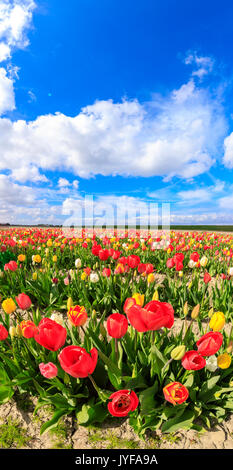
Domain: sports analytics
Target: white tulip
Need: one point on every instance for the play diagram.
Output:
(203, 261)
(94, 277)
(78, 263)
(192, 263)
(211, 363)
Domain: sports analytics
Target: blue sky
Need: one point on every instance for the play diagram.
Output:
(128, 101)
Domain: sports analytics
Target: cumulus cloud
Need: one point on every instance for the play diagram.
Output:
(15, 19)
(63, 182)
(174, 135)
(30, 173)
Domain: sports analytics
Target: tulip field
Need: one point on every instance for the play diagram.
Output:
(118, 324)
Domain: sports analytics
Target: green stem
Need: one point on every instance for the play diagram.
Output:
(116, 350)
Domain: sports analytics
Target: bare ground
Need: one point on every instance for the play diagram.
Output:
(112, 434)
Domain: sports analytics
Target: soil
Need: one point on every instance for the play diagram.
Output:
(112, 434)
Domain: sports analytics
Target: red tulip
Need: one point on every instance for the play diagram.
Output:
(153, 316)
(133, 261)
(179, 266)
(50, 334)
(178, 257)
(170, 263)
(28, 328)
(209, 343)
(77, 315)
(192, 360)
(123, 401)
(87, 271)
(194, 256)
(11, 266)
(49, 370)
(175, 393)
(117, 325)
(142, 268)
(103, 255)
(3, 332)
(207, 278)
(149, 268)
(129, 303)
(24, 302)
(116, 254)
(106, 272)
(77, 362)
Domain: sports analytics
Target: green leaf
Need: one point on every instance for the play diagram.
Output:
(91, 413)
(182, 421)
(6, 392)
(136, 382)
(208, 388)
(52, 423)
(147, 399)
(157, 361)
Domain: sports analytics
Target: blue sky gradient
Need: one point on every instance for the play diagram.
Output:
(129, 101)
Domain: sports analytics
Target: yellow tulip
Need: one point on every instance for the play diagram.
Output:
(37, 258)
(83, 276)
(217, 321)
(224, 361)
(55, 258)
(21, 258)
(8, 306)
(34, 276)
(150, 278)
(139, 299)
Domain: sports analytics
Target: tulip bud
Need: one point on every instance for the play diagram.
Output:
(186, 309)
(18, 330)
(155, 296)
(93, 314)
(12, 331)
(69, 303)
(103, 330)
(195, 312)
(178, 352)
(211, 311)
(229, 347)
(190, 285)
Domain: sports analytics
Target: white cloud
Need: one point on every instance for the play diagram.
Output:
(7, 98)
(174, 135)
(228, 151)
(29, 173)
(15, 19)
(14, 194)
(195, 194)
(63, 182)
(203, 64)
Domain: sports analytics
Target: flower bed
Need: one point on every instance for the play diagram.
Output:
(115, 351)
